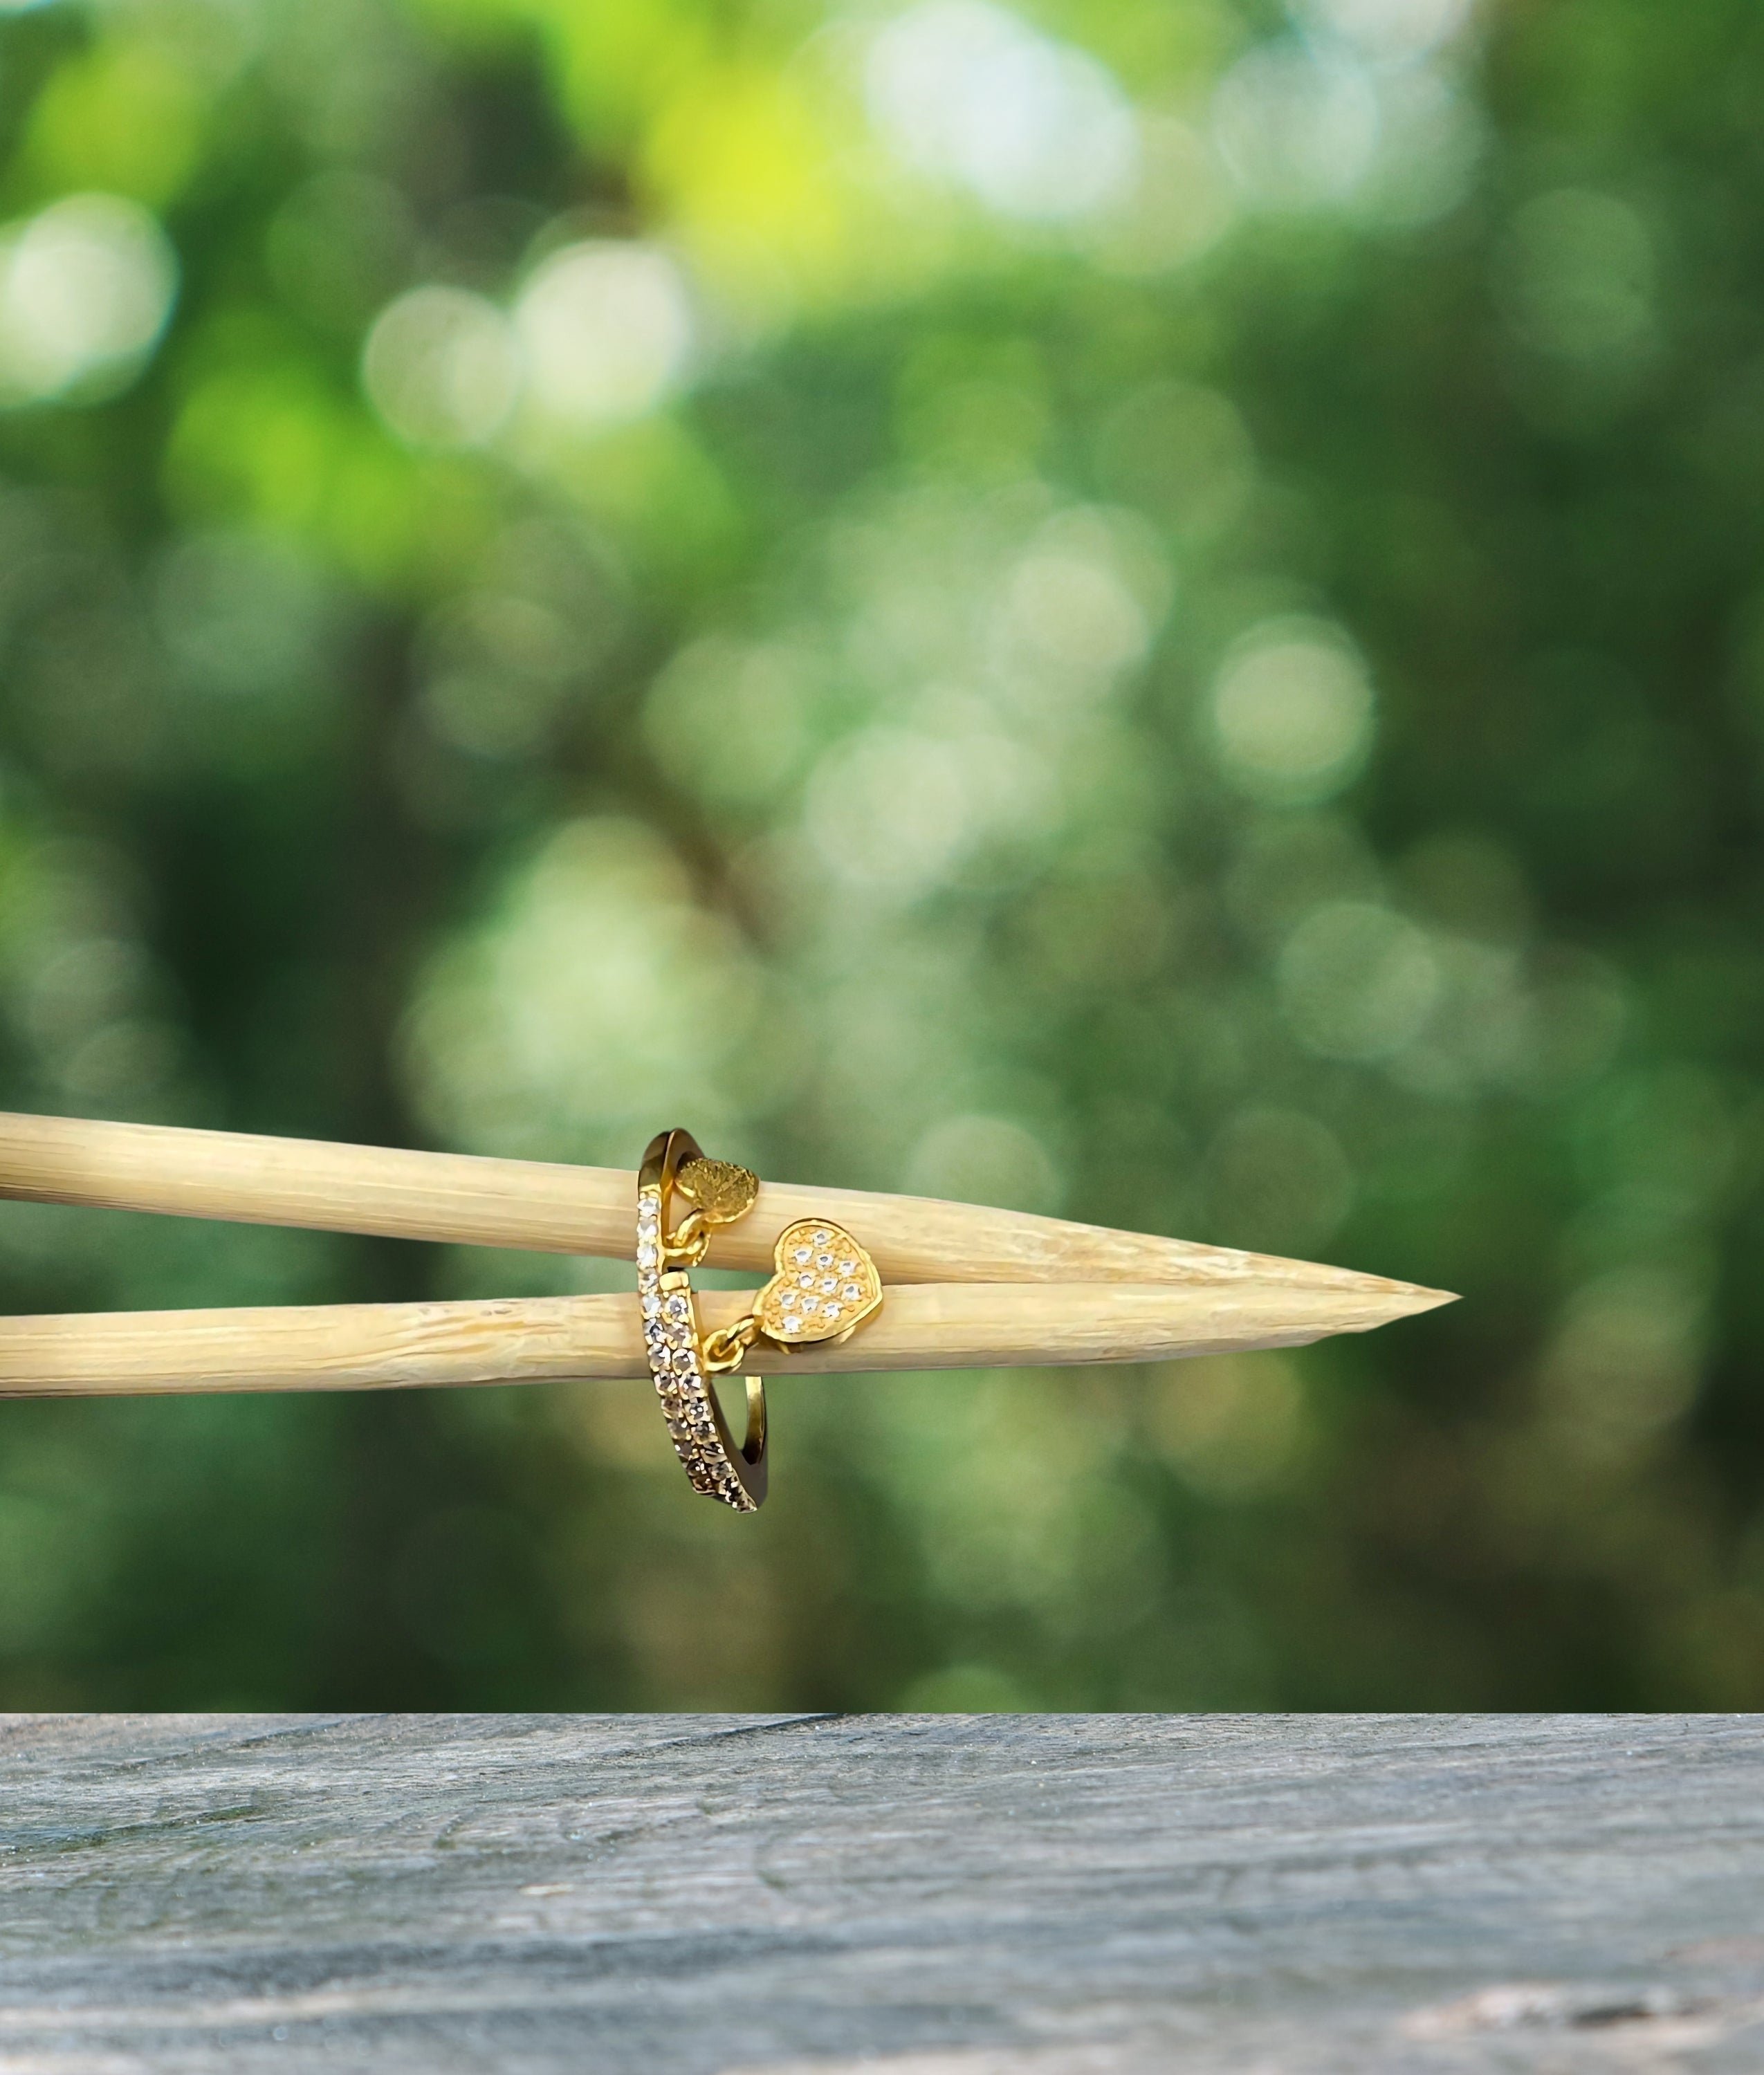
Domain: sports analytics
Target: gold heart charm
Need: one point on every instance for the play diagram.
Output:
(825, 1285)
(721, 1190)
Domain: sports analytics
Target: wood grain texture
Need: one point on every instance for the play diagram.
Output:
(906, 1895)
(557, 1209)
(359, 1347)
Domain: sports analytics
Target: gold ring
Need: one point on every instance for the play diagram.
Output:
(823, 1287)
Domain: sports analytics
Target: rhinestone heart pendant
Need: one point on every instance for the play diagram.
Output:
(825, 1286)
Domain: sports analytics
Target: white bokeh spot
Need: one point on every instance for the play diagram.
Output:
(1389, 32)
(1291, 712)
(607, 329)
(596, 996)
(1298, 128)
(442, 368)
(970, 94)
(86, 289)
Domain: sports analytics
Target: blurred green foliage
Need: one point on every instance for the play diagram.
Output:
(1151, 610)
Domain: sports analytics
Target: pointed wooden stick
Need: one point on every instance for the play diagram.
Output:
(557, 1209)
(364, 1347)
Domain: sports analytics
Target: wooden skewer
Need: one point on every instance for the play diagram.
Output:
(993, 1287)
(557, 1209)
(358, 1346)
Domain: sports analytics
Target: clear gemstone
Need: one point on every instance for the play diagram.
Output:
(810, 1303)
(828, 1286)
(851, 1292)
(646, 1255)
(822, 1236)
(806, 1280)
(648, 1282)
(651, 1306)
(676, 1306)
(823, 1261)
(792, 1323)
(800, 1253)
(848, 1267)
(682, 1358)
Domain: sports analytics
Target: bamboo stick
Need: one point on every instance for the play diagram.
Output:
(361, 1347)
(558, 1209)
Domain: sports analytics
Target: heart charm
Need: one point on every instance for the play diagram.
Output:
(721, 1190)
(825, 1285)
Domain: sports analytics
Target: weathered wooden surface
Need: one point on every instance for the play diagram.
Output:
(922, 1325)
(920, 1895)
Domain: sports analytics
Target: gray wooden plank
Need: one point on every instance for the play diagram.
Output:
(923, 1896)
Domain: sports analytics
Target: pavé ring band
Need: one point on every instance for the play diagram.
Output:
(823, 1287)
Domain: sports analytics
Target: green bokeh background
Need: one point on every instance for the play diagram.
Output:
(1149, 610)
